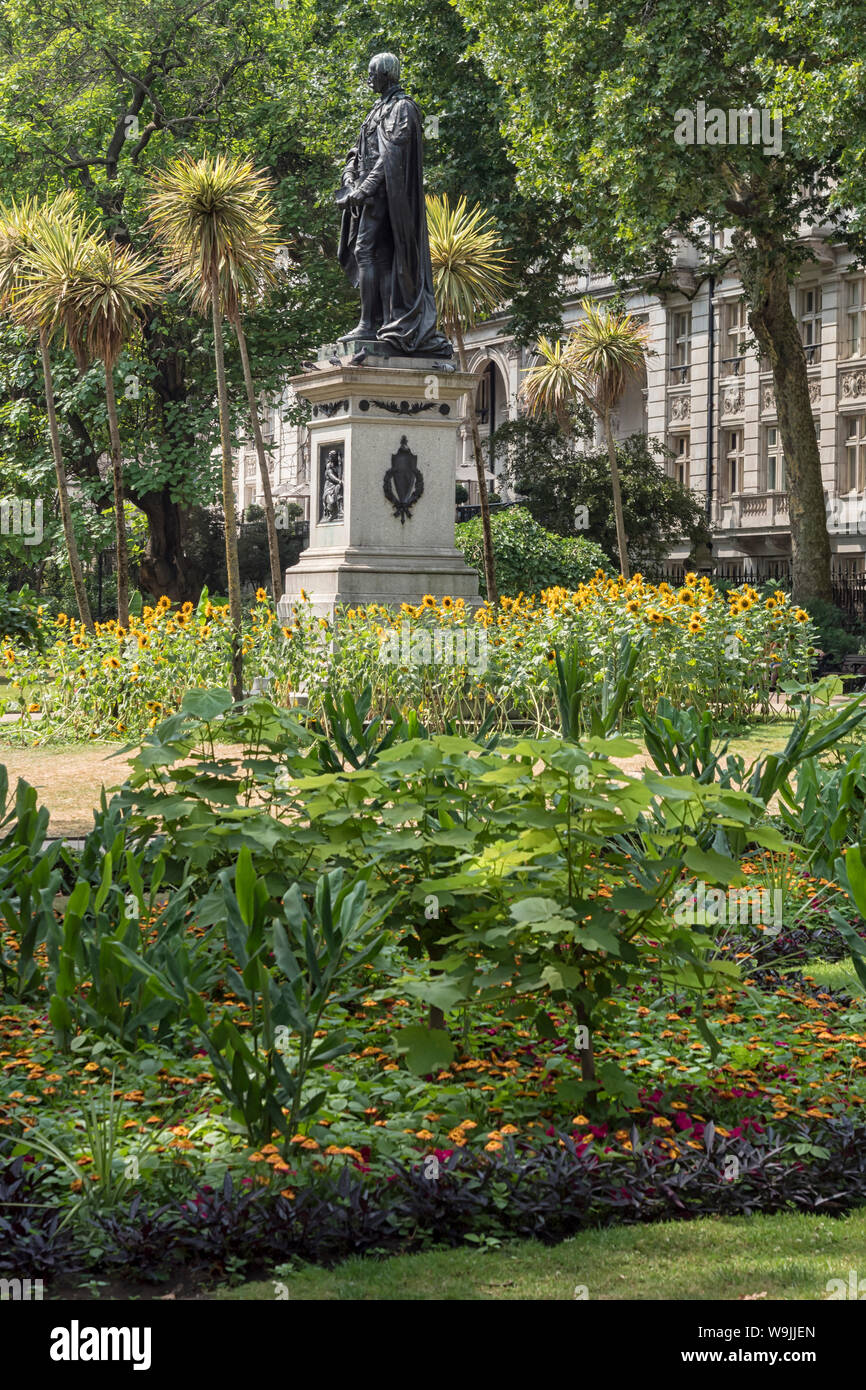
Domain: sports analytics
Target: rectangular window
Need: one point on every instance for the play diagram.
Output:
(735, 330)
(855, 339)
(679, 466)
(810, 323)
(732, 469)
(852, 467)
(681, 345)
(774, 461)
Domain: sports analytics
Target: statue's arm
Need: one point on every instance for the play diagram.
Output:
(350, 168)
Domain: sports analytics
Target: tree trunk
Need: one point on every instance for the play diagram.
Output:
(765, 273)
(621, 538)
(273, 543)
(232, 567)
(63, 491)
(119, 518)
(164, 568)
(489, 563)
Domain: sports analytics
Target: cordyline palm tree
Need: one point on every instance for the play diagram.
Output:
(102, 300)
(26, 229)
(215, 221)
(596, 363)
(550, 387)
(470, 277)
(115, 287)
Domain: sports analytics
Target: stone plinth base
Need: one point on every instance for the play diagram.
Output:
(390, 430)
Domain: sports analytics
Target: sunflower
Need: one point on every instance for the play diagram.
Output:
(428, 601)
(801, 615)
(261, 595)
(447, 603)
(112, 663)
(143, 641)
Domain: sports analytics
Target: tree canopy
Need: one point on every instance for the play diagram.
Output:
(96, 101)
(600, 98)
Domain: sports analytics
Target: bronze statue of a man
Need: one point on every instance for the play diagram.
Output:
(384, 244)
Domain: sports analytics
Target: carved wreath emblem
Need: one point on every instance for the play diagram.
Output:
(404, 484)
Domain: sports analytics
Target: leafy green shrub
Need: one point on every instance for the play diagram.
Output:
(528, 558)
(831, 637)
(18, 616)
(556, 473)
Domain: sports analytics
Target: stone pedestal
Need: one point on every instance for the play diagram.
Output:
(385, 428)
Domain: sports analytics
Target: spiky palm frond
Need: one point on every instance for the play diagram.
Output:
(58, 240)
(114, 286)
(20, 224)
(606, 349)
(16, 222)
(470, 269)
(216, 223)
(554, 383)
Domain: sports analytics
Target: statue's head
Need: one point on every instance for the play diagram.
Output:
(383, 72)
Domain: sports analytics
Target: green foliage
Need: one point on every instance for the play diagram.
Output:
(831, 636)
(29, 882)
(826, 808)
(282, 84)
(101, 1128)
(528, 558)
(316, 951)
(603, 117)
(554, 478)
(820, 806)
(453, 836)
(353, 739)
(573, 682)
(18, 617)
(104, 936)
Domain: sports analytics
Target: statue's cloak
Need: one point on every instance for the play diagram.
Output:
(412, 324)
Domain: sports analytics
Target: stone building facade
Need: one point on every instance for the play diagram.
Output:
(705, 395)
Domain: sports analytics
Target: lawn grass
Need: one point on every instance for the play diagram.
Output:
(774, 1257)
(760, 740)
(835, 974)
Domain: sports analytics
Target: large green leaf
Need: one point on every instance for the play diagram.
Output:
(206, 704)
(427, 1049)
